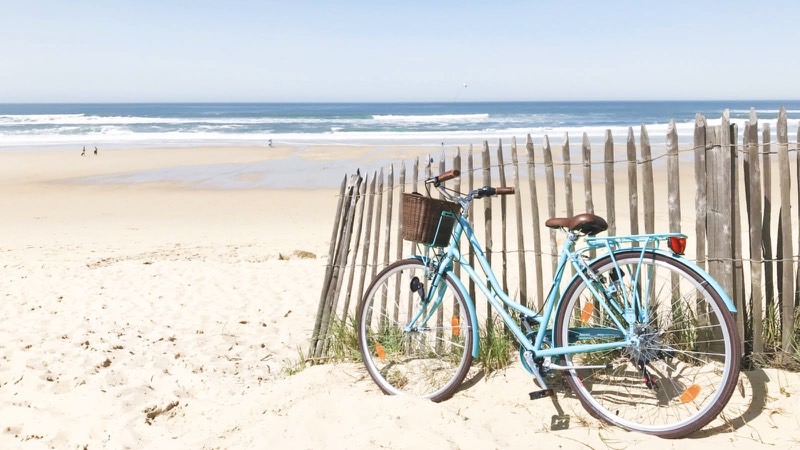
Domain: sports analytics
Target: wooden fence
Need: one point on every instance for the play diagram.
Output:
(755, 265)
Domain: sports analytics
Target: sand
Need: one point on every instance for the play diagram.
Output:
(148, 313)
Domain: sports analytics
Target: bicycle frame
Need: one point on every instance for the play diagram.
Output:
(568, 256)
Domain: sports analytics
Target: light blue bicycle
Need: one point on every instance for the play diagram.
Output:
(643, 336)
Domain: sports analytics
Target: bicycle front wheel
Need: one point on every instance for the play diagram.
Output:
(414, 334)
(682, 364)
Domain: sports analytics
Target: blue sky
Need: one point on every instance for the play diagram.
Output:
(295, 50)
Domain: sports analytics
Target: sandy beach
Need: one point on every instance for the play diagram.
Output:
(151, 313)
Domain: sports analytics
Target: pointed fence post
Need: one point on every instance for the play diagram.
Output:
(766, 224)
(551, 199)
(535, 223)
(487, 215)
(565, 153)
(523, 276)
(501, 168)
(633, 182)
(738, 294)
(608, 166)
(786, 262)
(700, 196)
(753, 196)
(471, 187)
(673, 179)
(586, 149)
(359, 224)
(647, 183)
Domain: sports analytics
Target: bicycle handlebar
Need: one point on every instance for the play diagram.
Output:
(449, 175)
(486, 191)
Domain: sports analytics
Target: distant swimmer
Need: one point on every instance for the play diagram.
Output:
(83, 153)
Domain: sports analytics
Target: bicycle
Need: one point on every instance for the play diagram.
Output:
(643, 336)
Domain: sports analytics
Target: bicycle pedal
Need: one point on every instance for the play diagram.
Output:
(535, 395)
(559, 422)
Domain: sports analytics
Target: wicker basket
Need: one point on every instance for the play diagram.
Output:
(425, 219)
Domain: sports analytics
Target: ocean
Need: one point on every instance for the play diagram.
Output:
(30, 126)
(379, 126)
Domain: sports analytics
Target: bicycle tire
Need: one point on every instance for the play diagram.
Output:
(430, 361)
(685, 366)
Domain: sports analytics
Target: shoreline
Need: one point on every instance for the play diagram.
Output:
(261, 167)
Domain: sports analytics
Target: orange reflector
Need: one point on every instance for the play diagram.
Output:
(456, 328)
(380, 352)
(690, 394)
(586, 312)
(677, 244)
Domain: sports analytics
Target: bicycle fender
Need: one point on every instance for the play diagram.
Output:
(686, 262)
(709, 279)
(473, 315)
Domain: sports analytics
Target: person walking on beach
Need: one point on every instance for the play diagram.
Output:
(270, 142)
(83, 153)
(95, 150)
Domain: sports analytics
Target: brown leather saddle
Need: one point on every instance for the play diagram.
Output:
(588, 224)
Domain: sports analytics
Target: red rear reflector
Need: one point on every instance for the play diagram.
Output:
(677, 244)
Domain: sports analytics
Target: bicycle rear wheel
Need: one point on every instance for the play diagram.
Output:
(421, 359)
(683, 365)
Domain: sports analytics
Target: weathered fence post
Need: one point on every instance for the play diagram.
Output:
(378, 210)
(501, 169)
(738, 294)
(766, 225)
(471, 186)
(633, 183)
(523, 276)
(359, 223)
(786, 261)
(387, 228)
(402, 186)
(752, 184)
(551, 199)
(586, 149)
(567, 161)
(720, 250)
(673, 179)
(367, 237)
(535, 224)
(608, 172)
(700, 196)
(588, 199)
(647, 183)
(487, 214)
(457, 166)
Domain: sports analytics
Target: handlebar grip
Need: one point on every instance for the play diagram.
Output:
(449, 175)
(504, 190)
